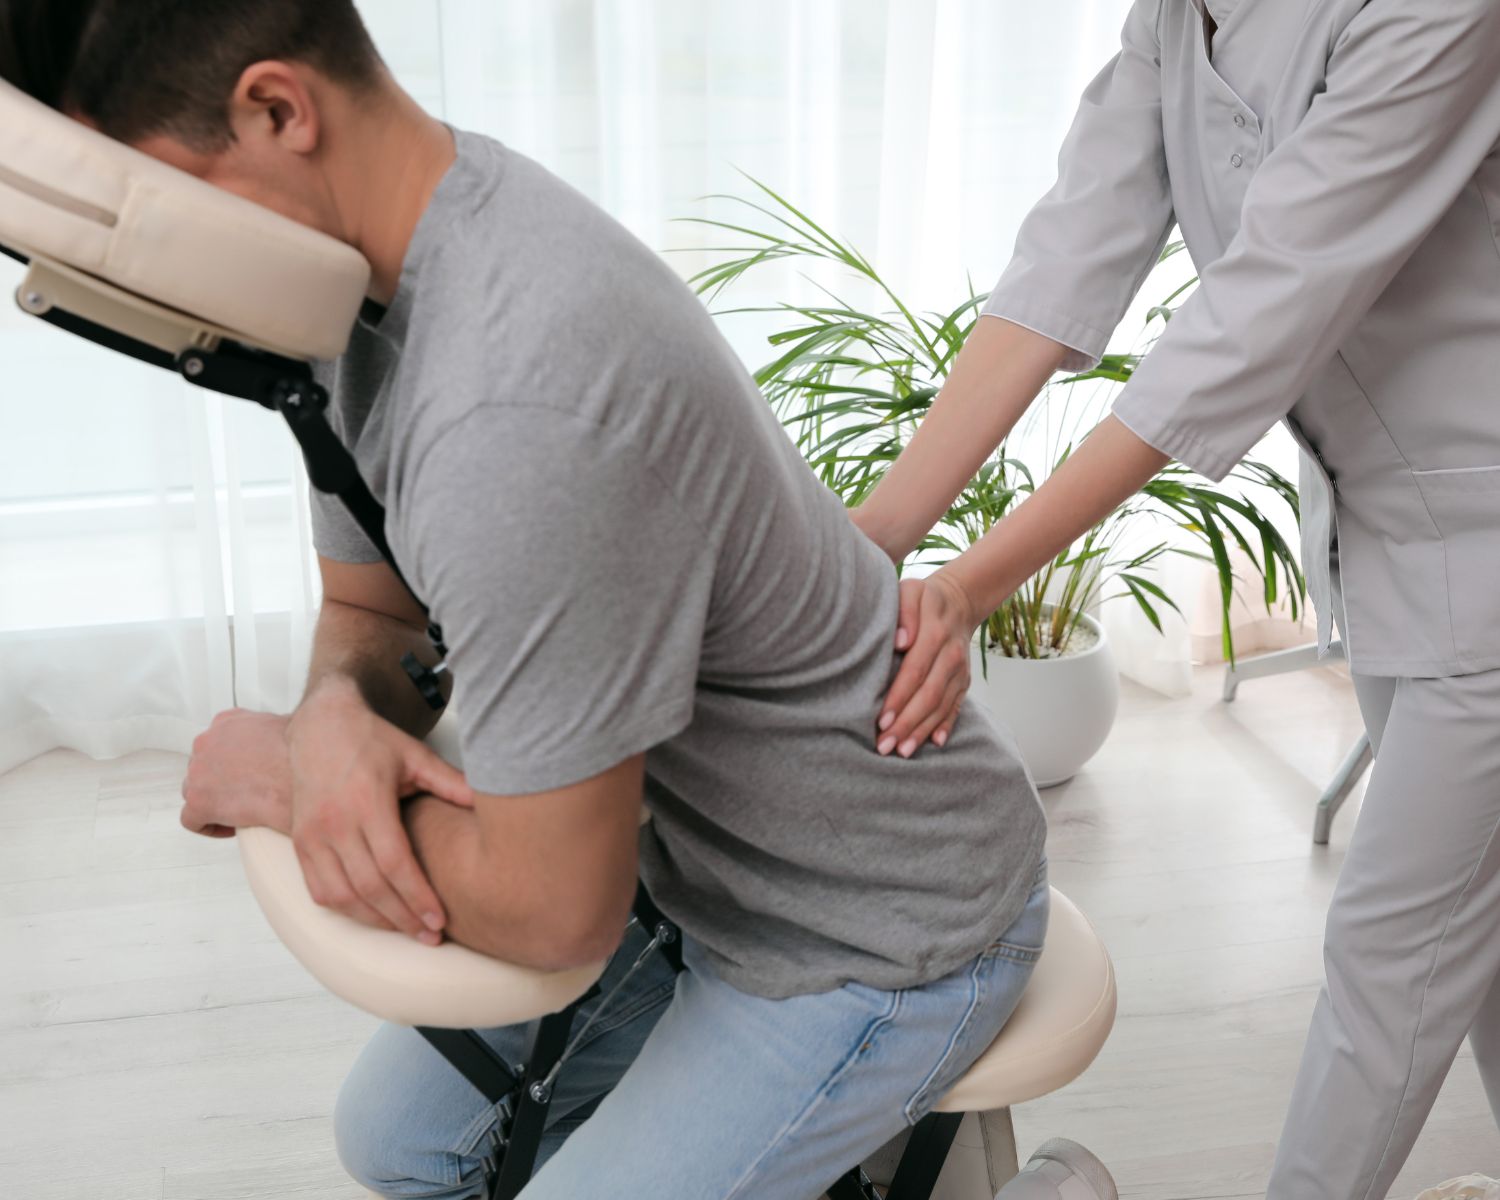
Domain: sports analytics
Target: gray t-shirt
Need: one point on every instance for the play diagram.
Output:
(627, 554)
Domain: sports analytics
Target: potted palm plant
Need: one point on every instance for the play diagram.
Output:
(851, 383)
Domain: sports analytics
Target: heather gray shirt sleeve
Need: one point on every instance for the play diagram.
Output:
(572, 590)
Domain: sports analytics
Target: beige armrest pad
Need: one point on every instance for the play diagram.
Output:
(389, 974)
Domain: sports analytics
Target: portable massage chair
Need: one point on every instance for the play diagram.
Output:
(145, 260)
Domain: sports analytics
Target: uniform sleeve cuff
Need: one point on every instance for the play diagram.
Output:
(1181, 444)
(1085, 343)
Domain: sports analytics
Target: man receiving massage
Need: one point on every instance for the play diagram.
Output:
(649, 599)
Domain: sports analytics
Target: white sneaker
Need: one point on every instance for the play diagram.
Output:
(1061, 1170)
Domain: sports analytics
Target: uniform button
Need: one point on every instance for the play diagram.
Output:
(1239, 119)
(1236, 160)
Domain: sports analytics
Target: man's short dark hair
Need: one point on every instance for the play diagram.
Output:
(142, 67)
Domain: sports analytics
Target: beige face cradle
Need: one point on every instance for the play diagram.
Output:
(72, 196)
(50, 287)
(135, 254)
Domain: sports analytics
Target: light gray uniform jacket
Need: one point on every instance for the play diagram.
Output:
(1333, 166)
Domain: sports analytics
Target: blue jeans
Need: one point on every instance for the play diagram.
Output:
(687, 1087)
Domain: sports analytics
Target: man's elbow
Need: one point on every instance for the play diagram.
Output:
(550, 941)
(581, 948)
(570, 945)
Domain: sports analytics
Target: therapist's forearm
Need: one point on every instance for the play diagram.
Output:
(1110, 467)
(994, 379)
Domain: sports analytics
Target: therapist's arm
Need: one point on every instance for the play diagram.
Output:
(1112, 465)
(1410, 113)
(997, 375)
(1409, 116)
(1080, 258)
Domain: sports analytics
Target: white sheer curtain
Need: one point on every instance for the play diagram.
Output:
(154, 561)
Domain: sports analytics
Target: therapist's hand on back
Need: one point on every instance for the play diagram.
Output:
(936, 626)
(350, 770)
(940, 614)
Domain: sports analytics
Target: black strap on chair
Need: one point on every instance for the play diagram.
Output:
(286, 386)
(520, 1100)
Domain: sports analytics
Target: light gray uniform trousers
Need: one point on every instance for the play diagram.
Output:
(1412, 947)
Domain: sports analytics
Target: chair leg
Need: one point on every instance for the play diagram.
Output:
(999, 1135)
(1349, 772)
(981, 1160)
(1279, 662)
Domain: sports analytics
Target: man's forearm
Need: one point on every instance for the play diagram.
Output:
(995, 378)
(496, 902)
(1110, 467)
(447, 842)
(363, 649)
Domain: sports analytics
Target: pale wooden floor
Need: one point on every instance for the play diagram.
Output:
(156, 1043)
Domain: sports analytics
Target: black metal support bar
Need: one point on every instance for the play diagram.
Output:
(855, 1185)
(330, 466)
(921, 1164)
(244, 372)
(107, 338)
(287, 386)
(475, 1059)
(548, 1040)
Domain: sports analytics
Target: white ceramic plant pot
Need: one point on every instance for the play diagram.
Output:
(1060, 709)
